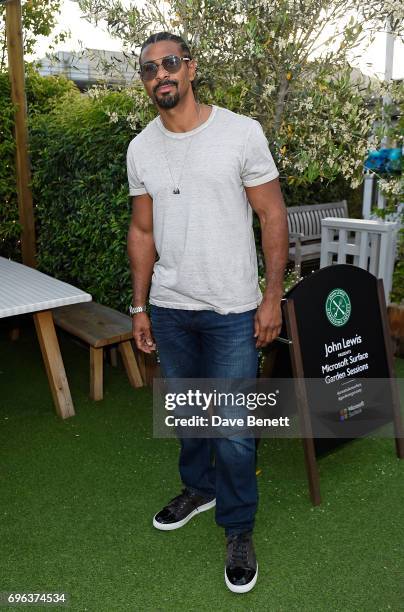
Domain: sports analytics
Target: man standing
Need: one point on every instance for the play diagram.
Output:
(196, 173)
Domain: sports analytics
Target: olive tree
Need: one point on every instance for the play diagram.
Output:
(39, 18)
(284, 62)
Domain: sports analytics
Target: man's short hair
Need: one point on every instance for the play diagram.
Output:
(159, 36)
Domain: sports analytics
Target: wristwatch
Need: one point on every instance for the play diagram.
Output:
(135, 309)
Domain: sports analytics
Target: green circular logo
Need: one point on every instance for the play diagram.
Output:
(338, 307)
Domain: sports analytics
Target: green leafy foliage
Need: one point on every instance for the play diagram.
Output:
(255, 58)
(397, 294)
(9, 231)
(82, 210)
(80, 187)
(274, 61)
(285, 63)
(39, 18)
(42, 95)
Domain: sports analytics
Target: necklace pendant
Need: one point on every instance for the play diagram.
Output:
(176, 190)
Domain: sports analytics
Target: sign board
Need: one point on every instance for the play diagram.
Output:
(336, 330)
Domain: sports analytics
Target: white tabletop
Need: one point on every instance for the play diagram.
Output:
(23, 290)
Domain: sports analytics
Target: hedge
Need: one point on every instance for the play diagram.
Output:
(43, 93)
(81, 193)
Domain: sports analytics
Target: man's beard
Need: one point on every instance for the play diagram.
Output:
(168, 100)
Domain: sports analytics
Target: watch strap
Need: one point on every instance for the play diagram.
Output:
(135, 309)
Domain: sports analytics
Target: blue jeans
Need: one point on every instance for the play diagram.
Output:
(205, 344)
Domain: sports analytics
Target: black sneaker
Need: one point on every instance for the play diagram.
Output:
(181, 509)
(241, 569)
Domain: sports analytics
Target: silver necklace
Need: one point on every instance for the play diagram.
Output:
(176, 185)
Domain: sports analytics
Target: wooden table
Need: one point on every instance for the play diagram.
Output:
(24, 290)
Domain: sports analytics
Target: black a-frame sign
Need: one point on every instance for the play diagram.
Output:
(333, 318)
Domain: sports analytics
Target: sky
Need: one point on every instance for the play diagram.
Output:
(370, 62)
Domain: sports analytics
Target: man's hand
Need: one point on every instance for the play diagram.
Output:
(142, 333)
(268, 321)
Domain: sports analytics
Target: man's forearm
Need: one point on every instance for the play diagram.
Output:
(142, 255)
(275, 246)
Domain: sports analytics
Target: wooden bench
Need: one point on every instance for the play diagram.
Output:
(304, 224)
(100, 326)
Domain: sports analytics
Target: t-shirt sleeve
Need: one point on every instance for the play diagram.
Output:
(136, 186)
(258, 166)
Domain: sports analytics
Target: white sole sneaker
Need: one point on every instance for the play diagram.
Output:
(241, 589)
(184, 521)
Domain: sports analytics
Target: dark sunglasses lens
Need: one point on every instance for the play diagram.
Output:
(148, 71)
(171, 63)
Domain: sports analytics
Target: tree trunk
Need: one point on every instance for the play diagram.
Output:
(280, 103)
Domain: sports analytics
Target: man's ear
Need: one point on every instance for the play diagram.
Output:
(193, 65)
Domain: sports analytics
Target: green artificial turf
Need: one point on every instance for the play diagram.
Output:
(78, 496)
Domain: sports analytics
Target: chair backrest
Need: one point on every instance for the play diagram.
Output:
(307, 219)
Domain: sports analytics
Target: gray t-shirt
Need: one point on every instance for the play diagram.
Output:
(203, 235)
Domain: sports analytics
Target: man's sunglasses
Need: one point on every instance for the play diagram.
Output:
(171, 63)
